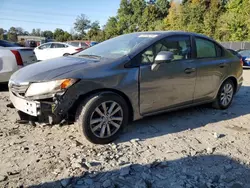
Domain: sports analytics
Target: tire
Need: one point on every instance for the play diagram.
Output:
(218, 103)
(66, 54)
(89, 119)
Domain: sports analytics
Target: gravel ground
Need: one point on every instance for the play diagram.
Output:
(196, 147)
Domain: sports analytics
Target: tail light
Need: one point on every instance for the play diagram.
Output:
(241, 62)
(18, 57)
(79, 49)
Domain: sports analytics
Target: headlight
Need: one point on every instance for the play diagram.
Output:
(49, 87)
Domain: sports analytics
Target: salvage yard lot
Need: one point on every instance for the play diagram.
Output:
(195, 147)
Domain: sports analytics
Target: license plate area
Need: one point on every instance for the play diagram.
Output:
(28, 107)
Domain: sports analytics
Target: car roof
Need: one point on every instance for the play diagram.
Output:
(54, 43)
(173, 32)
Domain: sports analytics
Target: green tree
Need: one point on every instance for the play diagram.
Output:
(1, 33)
(234, 24)
(33, 32)
(19, 31)
(59, 34)
(150, 17)
(94, 31)
(12, 34)
(66, 36)
(81, 24)
(213, 10)
(26, 33)
(174, 20)
(193, 16)
(38, 32)
(47, 34)
(124, 16)
(163, 6)
(111, 28)
(137, 9)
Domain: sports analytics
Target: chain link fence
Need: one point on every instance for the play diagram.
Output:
(236, 45)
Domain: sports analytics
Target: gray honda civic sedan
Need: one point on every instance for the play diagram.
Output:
(127, 78)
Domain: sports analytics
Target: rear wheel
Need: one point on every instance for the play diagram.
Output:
(225, 95)
(102, 117)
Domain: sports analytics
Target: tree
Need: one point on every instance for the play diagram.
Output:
(12, 34)
(82, 23)
(1, 33)
(163, 6)
(25, 33)
(150, 17)
(213, 10)
(19, 31)
(111, 28)
(94, 31)
(124, 16)
(174, 19)
(234, 24)
(59, 34)
(38, 32)
(66, 36)
(137, 9)
(48, 34)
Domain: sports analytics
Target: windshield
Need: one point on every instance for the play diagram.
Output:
(244, 53)
(118, 46)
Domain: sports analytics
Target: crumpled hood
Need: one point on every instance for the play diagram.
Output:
(50, 69)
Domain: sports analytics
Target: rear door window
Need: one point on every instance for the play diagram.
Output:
(44, 46)
(206, 48)
(57, 45)
(83, 44)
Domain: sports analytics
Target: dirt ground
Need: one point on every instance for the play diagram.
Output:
(194, 148)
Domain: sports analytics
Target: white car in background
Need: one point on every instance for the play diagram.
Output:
(54, 49)
(12, 58)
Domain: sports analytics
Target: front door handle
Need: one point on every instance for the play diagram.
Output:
(189, 70)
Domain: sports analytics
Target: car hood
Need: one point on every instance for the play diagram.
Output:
(51, 69)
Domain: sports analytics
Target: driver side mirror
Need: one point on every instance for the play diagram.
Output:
(162, 57)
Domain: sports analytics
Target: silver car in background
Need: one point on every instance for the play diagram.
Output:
(127, 78)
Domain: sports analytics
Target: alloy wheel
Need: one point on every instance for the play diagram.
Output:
(226, 94)
(106, 119)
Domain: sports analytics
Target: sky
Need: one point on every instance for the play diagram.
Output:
(52, 14)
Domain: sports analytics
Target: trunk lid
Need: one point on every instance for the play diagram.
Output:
(27, 54)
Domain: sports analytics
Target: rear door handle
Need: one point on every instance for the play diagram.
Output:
(189, 70)
(222, 65)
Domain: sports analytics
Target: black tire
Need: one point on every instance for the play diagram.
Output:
(87, 108)
(66, 54)
(217, 104)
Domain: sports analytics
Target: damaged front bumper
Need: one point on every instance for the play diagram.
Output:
(43, 111)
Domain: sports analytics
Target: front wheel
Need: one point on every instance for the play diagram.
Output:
(102, 117)
(225, 95)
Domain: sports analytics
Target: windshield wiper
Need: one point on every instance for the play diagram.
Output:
(89, 56)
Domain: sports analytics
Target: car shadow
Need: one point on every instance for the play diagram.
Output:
(199, 171)
(190, 118)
